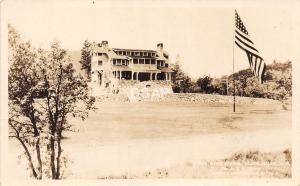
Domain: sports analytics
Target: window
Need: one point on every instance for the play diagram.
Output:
(118, 61)
(158, 63)
(129, 53)
(124, 53)
(147, 61)
(141, 61)
(152, 61)
(114, 62)
(145, 54)
(99, 63)
(152, 54)
(123, 62)
(137, 54)
(135, 61)
(99, 54)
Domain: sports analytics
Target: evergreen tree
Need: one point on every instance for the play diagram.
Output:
(85, 60)
(181, 81)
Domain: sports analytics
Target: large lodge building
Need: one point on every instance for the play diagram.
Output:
(112, 65)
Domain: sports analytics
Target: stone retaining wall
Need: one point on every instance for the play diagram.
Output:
(213, 98)
(146, 91)
(155, 96)
(161, 91)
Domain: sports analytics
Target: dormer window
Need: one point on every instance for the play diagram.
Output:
(99, 54)
(153, 54)
(136, 53)
(145, 54)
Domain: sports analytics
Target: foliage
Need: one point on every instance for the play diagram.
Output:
(44, 91)
(277, 85)
(205, 84)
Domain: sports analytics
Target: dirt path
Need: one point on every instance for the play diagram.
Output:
(95, 160)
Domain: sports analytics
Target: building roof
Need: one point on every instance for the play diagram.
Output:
(161, 58)
(111, 52)
(166, 69)
(133, 50)
(113, 55)
(127, 68)
(121, 67)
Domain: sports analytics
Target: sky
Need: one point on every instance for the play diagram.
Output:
(200, 33)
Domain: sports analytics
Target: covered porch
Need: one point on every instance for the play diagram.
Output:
(126, 73)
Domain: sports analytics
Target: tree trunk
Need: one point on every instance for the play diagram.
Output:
(52, 157)
(59, 150)
(29, 158)
(38, 154)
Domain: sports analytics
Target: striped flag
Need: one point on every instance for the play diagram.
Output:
(243, 41)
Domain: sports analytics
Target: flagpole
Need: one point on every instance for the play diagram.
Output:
(233, 63)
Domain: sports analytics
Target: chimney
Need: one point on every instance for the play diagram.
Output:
(105, 44)
(160, 48)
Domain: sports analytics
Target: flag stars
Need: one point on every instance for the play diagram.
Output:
(239, 24)
(256, 62)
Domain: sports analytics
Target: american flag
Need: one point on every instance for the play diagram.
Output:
(243, 41)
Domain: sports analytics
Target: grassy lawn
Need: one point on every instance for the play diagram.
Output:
(119, 121)
(175, 140)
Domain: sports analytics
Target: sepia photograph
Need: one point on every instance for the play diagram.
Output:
(112, 90)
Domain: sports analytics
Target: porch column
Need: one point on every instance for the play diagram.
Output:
(155, 76)
(132, 73)
(166, 74)
(120, 74)
(137, 76)
(151, 76)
